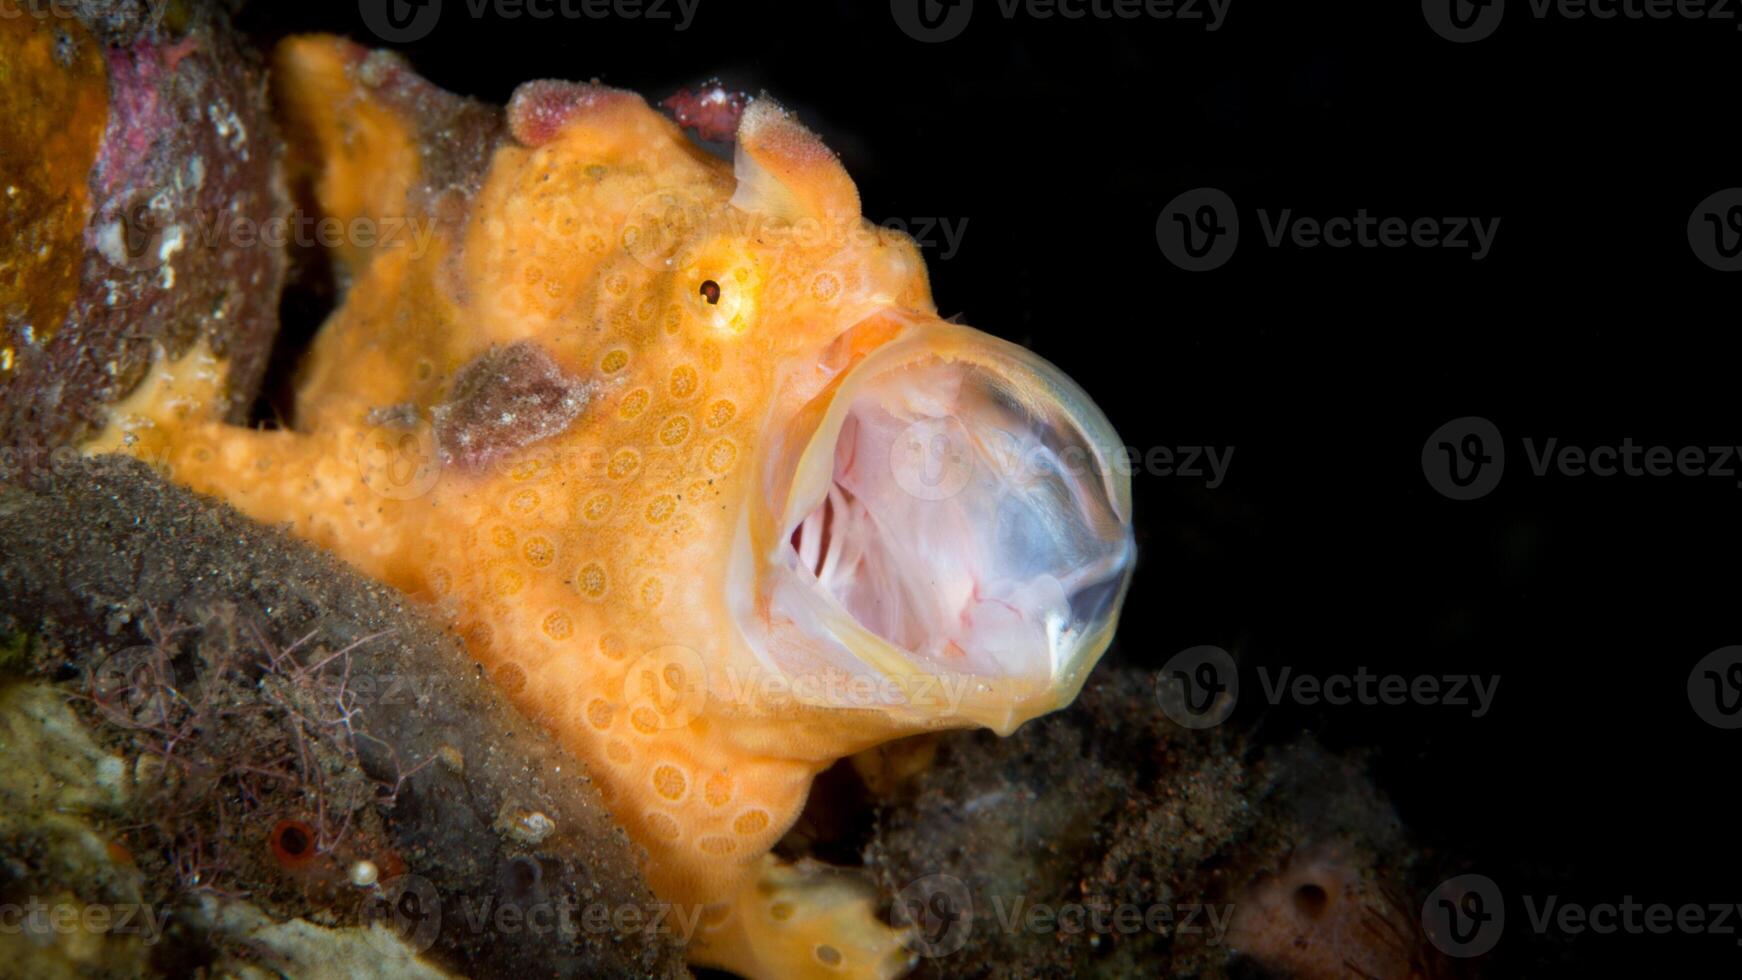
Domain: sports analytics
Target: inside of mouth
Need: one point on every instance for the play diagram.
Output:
(964, 526)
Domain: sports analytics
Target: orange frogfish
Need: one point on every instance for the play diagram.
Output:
(684, 453)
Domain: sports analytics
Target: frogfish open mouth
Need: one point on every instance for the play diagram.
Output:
(685, 455)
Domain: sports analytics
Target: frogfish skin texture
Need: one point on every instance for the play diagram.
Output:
(683, 452)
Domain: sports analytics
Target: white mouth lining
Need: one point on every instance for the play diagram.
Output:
(796, 627)
(938, 578)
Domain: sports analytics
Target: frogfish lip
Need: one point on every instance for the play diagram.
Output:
(944, 525)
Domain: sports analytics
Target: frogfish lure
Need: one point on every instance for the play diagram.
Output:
(683, 452)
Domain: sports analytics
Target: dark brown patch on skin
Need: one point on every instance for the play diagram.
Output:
(504, 399)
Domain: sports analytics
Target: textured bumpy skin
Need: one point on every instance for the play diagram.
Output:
(555, 423)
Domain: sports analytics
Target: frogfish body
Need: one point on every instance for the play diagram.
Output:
(685, 455)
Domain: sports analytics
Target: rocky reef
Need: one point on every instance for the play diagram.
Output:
(1107, 841)
(267, 746)
(220, 726)
(140, 163)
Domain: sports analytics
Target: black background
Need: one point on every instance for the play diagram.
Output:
(1059, 142)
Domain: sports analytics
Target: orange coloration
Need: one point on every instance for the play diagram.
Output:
(550, 427)
(118, 853)
(55, 116)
